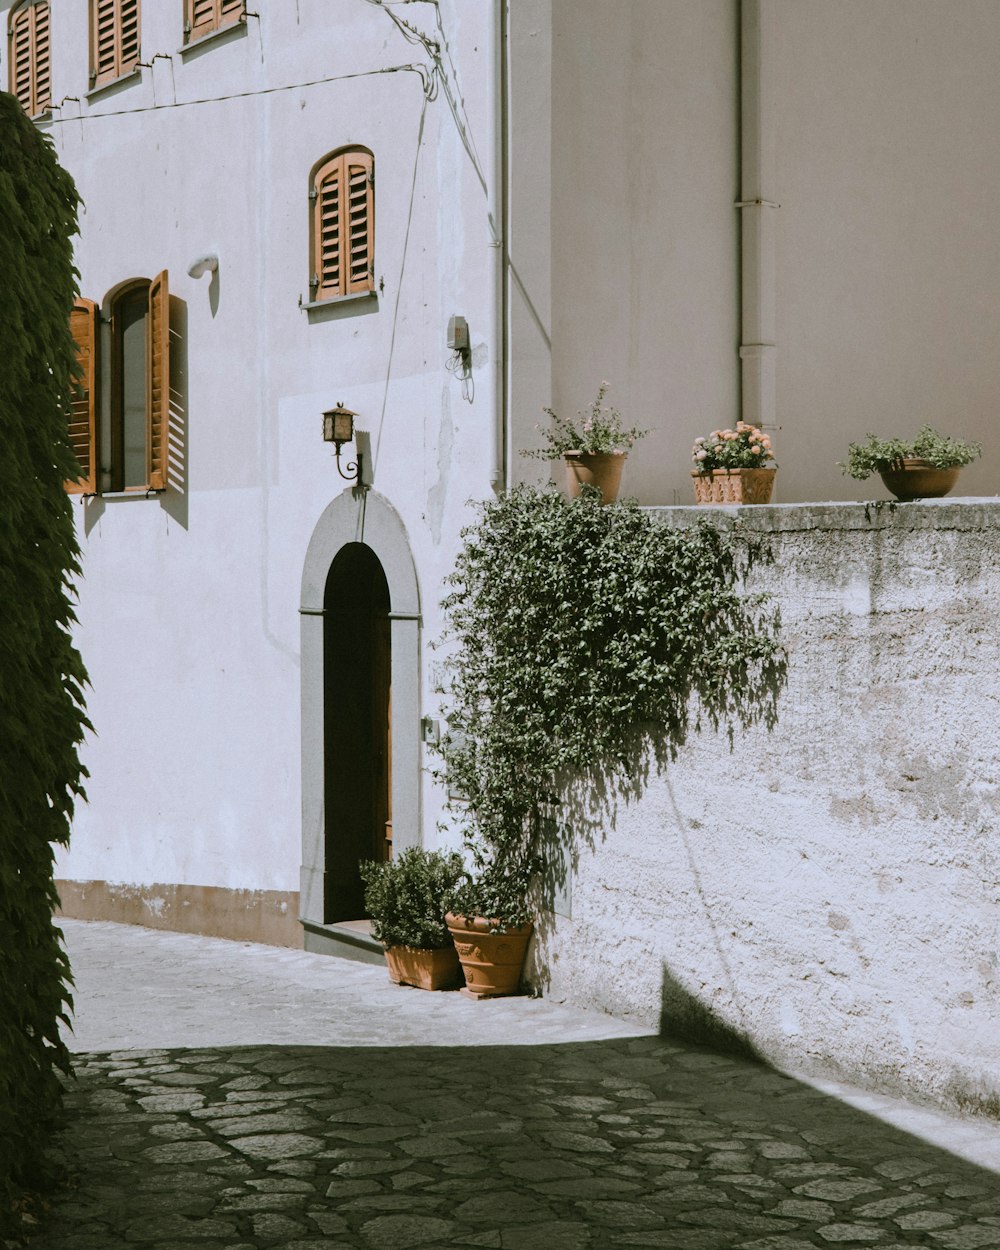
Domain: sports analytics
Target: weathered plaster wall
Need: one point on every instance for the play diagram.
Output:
(827, 890)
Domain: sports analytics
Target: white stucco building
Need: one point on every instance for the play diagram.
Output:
(781, 209)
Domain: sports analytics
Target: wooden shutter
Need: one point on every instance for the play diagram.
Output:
(361, 196)
(128, 35)
(29, 68)
(343, 226)
(158, 382)
(114, 40)
(43, 65)
(231, 11)
(83, 323)
(203, 17)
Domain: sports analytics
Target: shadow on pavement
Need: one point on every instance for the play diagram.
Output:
(627, 1142)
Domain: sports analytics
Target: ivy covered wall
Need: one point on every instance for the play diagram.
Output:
(41, 712)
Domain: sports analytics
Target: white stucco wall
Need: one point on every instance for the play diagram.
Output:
(189, 602)
(827, 890)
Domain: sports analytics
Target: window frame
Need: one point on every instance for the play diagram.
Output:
(221, 15)
(124, 58)
(339, 166)
(37, 16)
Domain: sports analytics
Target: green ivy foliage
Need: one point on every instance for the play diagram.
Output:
(581, 640)
(41, 713)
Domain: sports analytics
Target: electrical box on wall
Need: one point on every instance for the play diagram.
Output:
(458, 334)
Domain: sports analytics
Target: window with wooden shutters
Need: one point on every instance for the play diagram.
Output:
(28, 60)
(201, 17)
(127, 448)
(83, 406)
(342, 225)
(114, 39)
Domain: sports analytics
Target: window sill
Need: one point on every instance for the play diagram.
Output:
(139, 492)
(121, 81)
(42, 118)
(214, 36)
(336, 300)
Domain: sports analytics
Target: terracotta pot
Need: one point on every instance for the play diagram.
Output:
(918, 479)
(733, 485)
(491, 962)
(427, 970)
(600, 469)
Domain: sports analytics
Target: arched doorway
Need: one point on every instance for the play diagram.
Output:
(360, 638)
(357, 735)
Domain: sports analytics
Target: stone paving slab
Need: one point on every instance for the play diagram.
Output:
(491, 1140)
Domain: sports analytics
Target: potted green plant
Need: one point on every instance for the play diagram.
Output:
(489, 921)
(733, 466)
(406, 899)
(926, 468)
(593, 448)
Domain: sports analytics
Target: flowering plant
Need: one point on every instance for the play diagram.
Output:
(746, 447)
(599, 433)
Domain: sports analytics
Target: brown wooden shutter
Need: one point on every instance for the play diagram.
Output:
(128, 35)
(43, 66)
(158, 382)
(103, 41)
(327, 232)
(83, 323)
(19, 58)
(203, 17)
(114, 39)
(361, 193)
(231, 11)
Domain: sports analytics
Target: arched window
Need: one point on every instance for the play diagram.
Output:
(201, 17)
(342, 224)
(29, 68)
(122, 442)
(114, 39)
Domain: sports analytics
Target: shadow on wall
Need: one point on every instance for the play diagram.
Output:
(683, 1017)
(580, 1146)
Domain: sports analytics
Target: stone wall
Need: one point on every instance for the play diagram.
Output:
(825, 893)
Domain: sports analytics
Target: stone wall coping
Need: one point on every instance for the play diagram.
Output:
(879, 514)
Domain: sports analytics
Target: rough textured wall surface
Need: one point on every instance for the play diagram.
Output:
(825, 893)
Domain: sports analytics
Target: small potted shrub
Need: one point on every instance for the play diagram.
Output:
(489, 920)
(594, 448)
(925, 468)
(733, 466)
(406, 899)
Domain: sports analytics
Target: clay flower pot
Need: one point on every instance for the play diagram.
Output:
(919, 479)
(491, 962)
(426, 969)
(600, 469)
(742, 486)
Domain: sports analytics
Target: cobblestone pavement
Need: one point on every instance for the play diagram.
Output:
(608, 1138)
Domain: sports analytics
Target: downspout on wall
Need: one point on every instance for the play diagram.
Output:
(758, 341)
(500, 450)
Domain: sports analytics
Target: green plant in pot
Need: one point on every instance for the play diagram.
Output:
(593, 448)
(406, 898)
(489, 919)
(925, 468)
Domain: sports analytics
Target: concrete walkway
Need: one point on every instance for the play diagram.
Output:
(237, 1097)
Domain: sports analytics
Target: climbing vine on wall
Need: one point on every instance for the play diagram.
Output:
(41, 713)
(583, 640)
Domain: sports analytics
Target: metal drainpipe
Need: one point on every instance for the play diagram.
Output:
(757, 207)
(495, 207)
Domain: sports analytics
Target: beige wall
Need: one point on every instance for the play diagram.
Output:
(644, 246)
(887, 268)
(888, 274)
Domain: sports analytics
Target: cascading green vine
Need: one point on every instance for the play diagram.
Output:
(581, 639)
(41, 714)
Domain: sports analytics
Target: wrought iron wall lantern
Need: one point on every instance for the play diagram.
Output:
(338, 428)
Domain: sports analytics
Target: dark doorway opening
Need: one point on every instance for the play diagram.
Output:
(357, 734)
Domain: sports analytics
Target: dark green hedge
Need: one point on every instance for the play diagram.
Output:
(41, 711)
